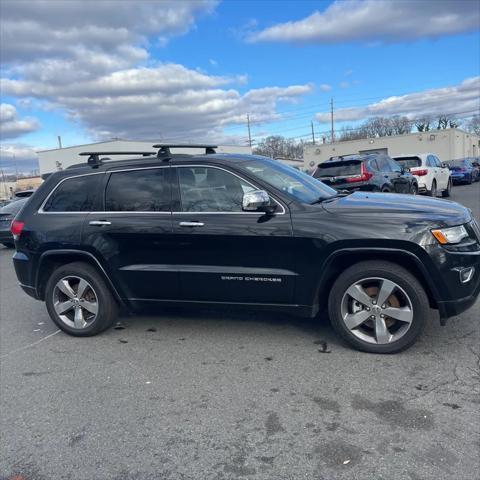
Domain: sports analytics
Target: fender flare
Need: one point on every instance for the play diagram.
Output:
(82, 253)
(348, 250)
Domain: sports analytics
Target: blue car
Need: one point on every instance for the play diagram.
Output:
(463, 171)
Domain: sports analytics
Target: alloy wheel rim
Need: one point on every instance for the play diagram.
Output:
(376, 310)
(75, 302)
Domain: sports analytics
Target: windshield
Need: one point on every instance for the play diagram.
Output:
(299, 185)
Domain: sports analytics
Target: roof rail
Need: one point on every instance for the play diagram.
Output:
(94, 159)
(165, 154)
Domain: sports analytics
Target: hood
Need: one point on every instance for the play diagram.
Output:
(409, 206)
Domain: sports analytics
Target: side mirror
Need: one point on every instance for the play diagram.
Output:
(257, 201)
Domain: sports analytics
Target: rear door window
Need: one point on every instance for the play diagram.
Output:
(338, 169)
(383, 164)
(75, 194)
(144, 190)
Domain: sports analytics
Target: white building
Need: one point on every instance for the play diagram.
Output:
(61, 158)
(448, 144)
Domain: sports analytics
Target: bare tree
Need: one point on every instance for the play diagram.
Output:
(473, 125)
(401, 125)
(446, 121)
(423, 123)
(276, 146)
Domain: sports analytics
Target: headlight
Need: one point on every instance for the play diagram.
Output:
(450, 235)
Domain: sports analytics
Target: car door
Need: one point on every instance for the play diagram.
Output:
(443, 173)
(434, 168)
(225, 254)
(132, 233)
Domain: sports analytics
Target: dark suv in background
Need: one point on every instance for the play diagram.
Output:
(242, 230)
(372, 173)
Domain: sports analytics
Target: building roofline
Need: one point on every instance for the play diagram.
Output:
(83, 145)
(429, 132)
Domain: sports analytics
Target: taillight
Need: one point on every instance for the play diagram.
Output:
(420, 173)
(364, 176)
(16, 228)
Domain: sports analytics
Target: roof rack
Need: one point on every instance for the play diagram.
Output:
(94, 159)
(165, 154)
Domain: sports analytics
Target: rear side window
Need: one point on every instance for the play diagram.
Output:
(338, 169)
(74, 195)
(409, 162)
(138, 191)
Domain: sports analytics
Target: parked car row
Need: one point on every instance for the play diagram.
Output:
(418, 173)
(371, 172)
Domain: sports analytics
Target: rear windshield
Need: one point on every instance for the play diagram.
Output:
(457, 163)
(338, 169)
(408, 162)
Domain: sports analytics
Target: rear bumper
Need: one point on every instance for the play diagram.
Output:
(6, 236)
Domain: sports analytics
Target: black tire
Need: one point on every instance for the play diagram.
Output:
(384, 270)
(8, 244)
(107, 306)
(385, 190)
(446, 193)
(414, 189)
(433, 191)
(469, 181)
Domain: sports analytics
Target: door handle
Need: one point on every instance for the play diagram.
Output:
(191, 224)
(99, 223)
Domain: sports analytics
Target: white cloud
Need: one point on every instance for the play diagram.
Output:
(18, 157)
(11, 126)
(324, 87)
(91, 61)
(165, 101)
(462, 99)
(344, 84)
(376, 21)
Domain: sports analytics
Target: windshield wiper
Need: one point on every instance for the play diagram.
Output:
(339, 194)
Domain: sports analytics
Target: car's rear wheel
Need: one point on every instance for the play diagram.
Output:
(385, 190)
(433, 191)
(447, 192)
(469, 181)
(79, 301)
(378, 307)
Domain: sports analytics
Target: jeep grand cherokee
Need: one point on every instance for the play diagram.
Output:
(242, 230)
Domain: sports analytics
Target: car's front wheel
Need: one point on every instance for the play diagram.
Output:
(79, 301)
(378, 307)
(414, 189)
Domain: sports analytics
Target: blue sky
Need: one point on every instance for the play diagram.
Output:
(192, 70)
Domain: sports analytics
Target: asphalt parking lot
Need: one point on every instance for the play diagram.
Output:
(221, 394)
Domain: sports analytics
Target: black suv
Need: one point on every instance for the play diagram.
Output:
(242, 230)
(372, 173)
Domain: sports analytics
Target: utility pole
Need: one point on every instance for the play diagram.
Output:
(313, 133)
(331, 117)
(59, 141)
(249, 134)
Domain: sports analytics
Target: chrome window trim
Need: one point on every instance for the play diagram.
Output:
(43, 212)
(229, 213)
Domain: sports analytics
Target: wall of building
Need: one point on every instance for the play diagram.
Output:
(52, 160)
(446, 144)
